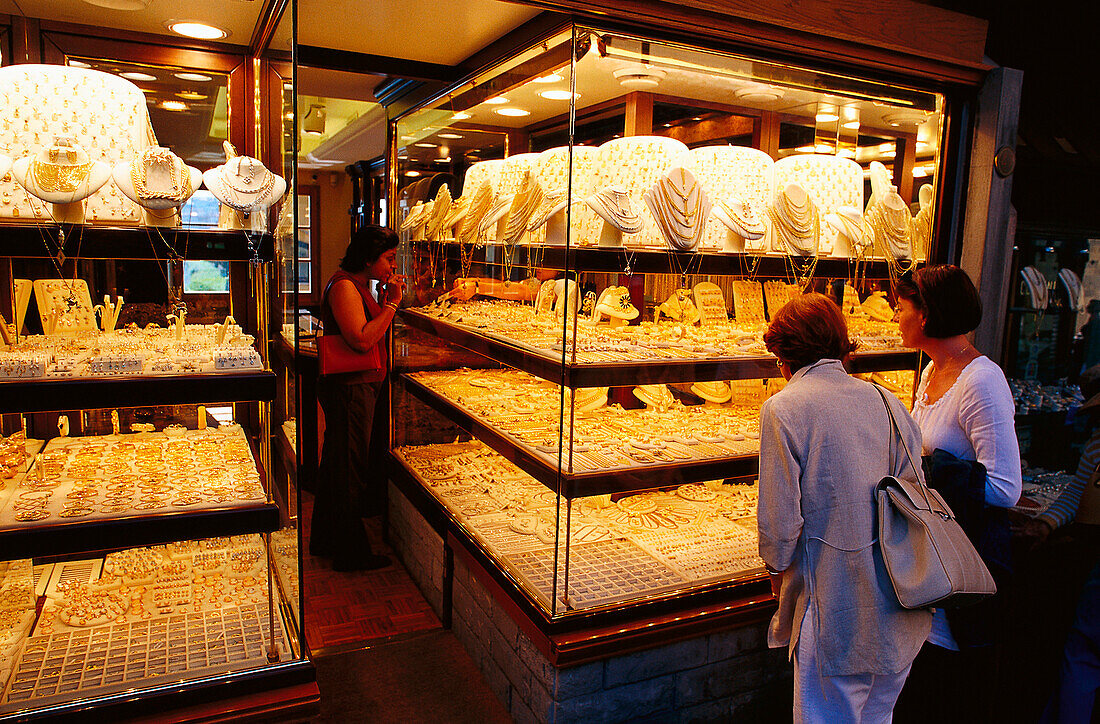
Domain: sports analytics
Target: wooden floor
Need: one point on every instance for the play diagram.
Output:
(350, 610)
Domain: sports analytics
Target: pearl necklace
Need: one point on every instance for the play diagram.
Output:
(244, 198)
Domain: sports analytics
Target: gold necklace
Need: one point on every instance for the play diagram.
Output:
(180, 188)
(58, 178)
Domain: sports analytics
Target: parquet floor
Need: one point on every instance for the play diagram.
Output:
(346, 609)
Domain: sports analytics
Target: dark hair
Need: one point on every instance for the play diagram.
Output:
(806, 329)
(946, 296)
(367, 244)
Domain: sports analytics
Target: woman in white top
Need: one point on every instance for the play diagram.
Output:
(964, 407)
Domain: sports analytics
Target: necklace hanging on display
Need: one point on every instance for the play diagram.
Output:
(614, 205)
(159, 182)
(680, 207)
(245, 186)
(550, 214)
(61, 175)
(741, 222)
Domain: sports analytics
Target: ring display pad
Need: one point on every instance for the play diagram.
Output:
(711, 303)
(636, 546)
(777, 293)
(748, 302)
(635, 164)
(17, 611)
(552, 171)
(104, 114)
(56, 309)
(830, 181)
(94, 478)
(732, 172)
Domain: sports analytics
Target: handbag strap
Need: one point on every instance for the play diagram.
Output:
(904, 445)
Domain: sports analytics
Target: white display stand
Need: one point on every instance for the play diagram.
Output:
(157, 211)
(732, 172)
(831, 181)
(62, 175)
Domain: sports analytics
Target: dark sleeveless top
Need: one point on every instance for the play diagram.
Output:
(371, 309)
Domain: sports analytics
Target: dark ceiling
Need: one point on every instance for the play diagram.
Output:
(1057, 179)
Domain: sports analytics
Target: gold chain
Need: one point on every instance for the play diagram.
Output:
(58, 178)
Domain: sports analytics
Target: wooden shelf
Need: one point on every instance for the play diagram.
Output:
(40, 241)
(550, 366)
(660, 261)
(66, 393)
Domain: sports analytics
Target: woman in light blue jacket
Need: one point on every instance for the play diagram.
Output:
(825, 442)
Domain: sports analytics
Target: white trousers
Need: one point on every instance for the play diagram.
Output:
(858, 698)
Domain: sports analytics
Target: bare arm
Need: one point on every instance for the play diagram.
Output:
(347, 307)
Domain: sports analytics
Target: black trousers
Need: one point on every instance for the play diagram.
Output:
(351, 480)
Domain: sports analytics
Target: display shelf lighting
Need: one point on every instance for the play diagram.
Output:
(512, 112)
(136, 75)
(173, 105)
(195, 77)
(196, 30)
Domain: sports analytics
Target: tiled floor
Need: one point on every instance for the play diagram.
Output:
(346, 609)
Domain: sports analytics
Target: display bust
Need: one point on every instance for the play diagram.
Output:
(159, 182)
(63, 175)
(244, 185)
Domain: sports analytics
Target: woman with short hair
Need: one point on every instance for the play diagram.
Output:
(350, 486)
(826, 440)
(966, 415)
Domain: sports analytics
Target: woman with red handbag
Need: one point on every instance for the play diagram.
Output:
(352, 357)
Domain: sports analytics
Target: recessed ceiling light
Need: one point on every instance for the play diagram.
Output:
(758, 93)
(558, 95)
(173, 105)
(199, 77)
(919, 172)
(823, 148)
(826, 117)
(442, 160)
(134, 75)
(668, 125)
(847, 152)
(513, 112)
(199, 31)
(850, 125)
(450, 135)
(412, 174)
(905, 118)
(552, 78)
(697, 118)
(805, 149)
(461, 116)
(890, 154)
(425, 144)
(497, 100)
(78, 64)
(191, 96)
(130, 5)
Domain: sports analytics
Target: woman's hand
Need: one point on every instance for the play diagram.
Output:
(395, 289)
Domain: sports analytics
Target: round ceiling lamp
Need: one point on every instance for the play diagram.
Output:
(196, 30)
(637, 76)
(758, 93)
(128, 5)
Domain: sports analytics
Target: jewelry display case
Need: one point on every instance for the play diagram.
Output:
(150, 560)
(597, 231)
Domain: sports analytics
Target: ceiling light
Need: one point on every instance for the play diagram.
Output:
(199, 31)
(668, 125)
(148, 91)
(425, 144)
(134, 75)
(823, 148)
(314, 121)
(558, 95)
(890, 154)
(200, 78)
(120, 4)
(412, 174)
(886, 146)
(461, 116)
(697, 118)
(173, 105)
(191, 96)
(805, 149)
(826, 117)
(847, 152)
(78, 64)
(513, 112)
(552, 78)
(638, 76)
(919, 172)
(442, 160)
(450, 135)
(289, 115)
(758, 93)
(905, 118)
(496, 101)
(850, 125)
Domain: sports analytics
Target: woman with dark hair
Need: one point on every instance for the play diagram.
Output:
(825, 442)
(349, 487)
(966, 416)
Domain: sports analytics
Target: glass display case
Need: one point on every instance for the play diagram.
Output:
(596, 232)
(148, 557)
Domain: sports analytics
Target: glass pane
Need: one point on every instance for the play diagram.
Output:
(304, 244)
(206, 277)
(304, 277)
(201, 210)
(303, 210)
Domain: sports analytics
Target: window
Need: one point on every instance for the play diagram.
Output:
(205, 277)
(305, 265)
